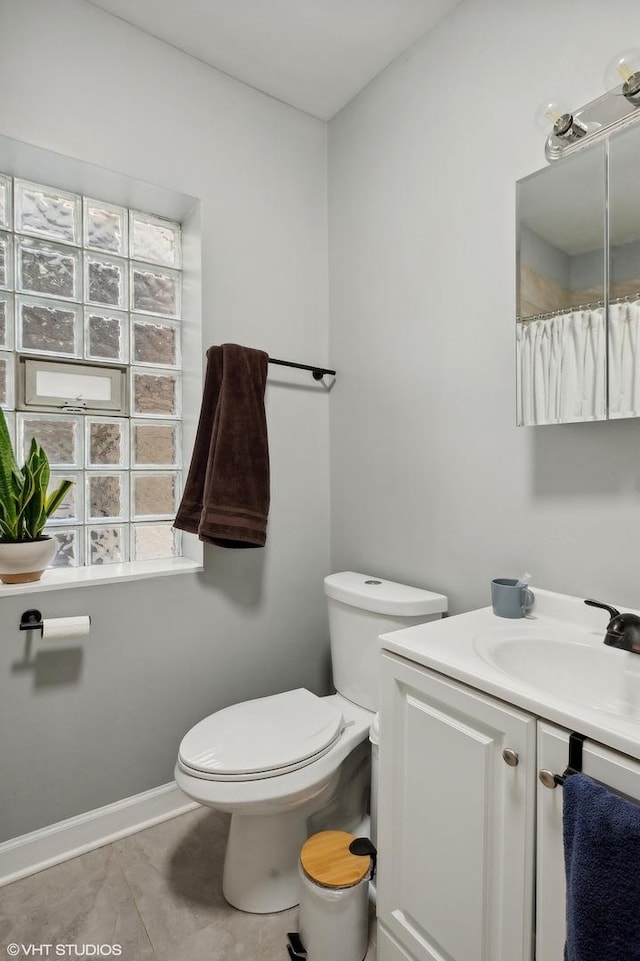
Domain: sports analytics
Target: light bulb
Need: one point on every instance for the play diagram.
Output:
(555, 117)
(549, 113)
(622, 75)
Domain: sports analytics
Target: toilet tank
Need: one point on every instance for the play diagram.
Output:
(361, 607)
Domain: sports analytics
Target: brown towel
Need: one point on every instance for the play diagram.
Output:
(226, 497)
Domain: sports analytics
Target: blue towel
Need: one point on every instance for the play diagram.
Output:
(602, 865)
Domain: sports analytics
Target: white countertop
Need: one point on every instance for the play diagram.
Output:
(461, 647)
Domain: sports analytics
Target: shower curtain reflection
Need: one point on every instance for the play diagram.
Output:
(624, 359)
(561, 364)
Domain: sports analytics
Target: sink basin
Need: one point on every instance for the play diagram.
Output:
(552, 664)
(568, 662)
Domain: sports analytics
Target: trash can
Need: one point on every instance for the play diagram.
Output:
(334, 902)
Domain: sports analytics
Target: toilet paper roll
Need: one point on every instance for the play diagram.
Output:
(65, 628)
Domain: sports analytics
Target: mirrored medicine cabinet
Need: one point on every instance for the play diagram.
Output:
(578, 286)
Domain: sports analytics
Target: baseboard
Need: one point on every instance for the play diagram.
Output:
(58, 842)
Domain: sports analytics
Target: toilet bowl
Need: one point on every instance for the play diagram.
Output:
(294, 763)
(271, 808)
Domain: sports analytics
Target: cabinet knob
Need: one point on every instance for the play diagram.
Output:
(548, 778)
(510, 757)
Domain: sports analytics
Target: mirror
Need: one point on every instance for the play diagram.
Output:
(624, 275)
(561, 336)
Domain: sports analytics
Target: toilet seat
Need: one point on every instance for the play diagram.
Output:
(262, 738)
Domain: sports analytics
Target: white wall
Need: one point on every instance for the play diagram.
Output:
(431, 481)
(87, 727)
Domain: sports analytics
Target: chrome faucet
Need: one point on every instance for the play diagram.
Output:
(623, 630)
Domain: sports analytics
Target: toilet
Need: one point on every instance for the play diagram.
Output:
(294, 763)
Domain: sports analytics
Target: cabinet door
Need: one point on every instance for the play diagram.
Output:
(388, 949)
(561, 288)
(617, 771)
(455, 831)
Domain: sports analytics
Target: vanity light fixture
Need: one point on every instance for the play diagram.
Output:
(622, 76)
(563, 124)
(568, 130)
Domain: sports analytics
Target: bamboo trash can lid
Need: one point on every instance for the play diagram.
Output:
(327, 860)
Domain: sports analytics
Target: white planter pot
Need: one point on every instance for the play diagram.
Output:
(27, 560)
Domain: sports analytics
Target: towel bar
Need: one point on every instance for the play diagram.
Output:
(318, 372)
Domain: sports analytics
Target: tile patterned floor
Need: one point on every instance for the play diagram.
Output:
(157, 893)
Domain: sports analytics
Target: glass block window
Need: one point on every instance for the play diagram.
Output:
(91, 283)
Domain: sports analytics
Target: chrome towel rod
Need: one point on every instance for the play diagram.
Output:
(318, 372)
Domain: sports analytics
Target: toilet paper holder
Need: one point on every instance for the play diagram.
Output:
(31, 620)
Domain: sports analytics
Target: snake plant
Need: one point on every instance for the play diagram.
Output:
(25, 501)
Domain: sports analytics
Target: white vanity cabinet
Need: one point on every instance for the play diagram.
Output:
(459, 821)
(456, 821)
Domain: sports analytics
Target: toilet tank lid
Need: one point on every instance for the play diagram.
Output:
(382, 597)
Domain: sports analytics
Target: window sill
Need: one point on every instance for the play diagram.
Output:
(61, 578)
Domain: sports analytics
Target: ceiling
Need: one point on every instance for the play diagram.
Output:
(313, 54)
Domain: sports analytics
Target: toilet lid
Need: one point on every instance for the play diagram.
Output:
(264, 735)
